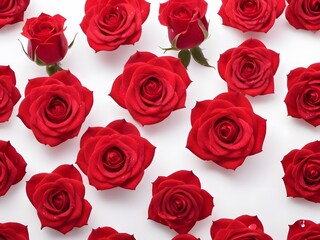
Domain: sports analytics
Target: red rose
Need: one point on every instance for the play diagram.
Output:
(108, 233)
(58, 198)
(303, 230)
(111, 23)
(243, 227)
(185, 237)
(225, 130)
(13, 231)
(55, 107)
(12, 11)
(303, 97)
(47, 43)
(186, 22)
(249, 68)
(179, 202)
(151, 87)
(303, 14)
(253, 15)
(12, 167)
(115, 155)
(302, 172)
(10, 95)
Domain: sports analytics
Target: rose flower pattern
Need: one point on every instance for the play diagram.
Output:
(108, 24)
(251, 15)
(179, 202)
(302, 172)
(249, 68)
(13, 231)
(115, 155)
(108, 233)
(243, 227)
(55, 107)
(303, 96)
(225, 130)
(303, 230)
(151, 87)
(58, 198)
(9, 93)
(12, 167)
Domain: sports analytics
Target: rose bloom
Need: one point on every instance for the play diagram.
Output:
(186, 22)
(115, 155)
(109, 24)
(243, 227)
(303, 230)
(179, 202)
(13, 231)
(58, 198)
(249, 68)
(185, 237)
(302, 172)
(55, 107)
(47, 43)
(303, 14)
(303, 97)
(151, 87)
(225, 130)
(12, 167)
(251, 15)
(12, 11)
(108, 233)
(9, 94)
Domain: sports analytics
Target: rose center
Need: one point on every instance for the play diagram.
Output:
(151, 90)
(178, 204)
(248, 6)
(315, 6)
(113, 160)
(182, 13)
(60, 201)
(57, 110)
(227, 130)
(248, 67)
(312, 97)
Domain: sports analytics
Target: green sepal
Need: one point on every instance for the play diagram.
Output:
(185, 57)
(198, 56)
(51, 69)
(72, 42)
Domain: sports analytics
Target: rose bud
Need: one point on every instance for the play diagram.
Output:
(47, 44)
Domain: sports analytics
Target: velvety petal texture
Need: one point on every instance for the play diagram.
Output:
(108, 24)
(114, 156)
(12, 11)
(12, 167)
(13, 231)
(151, 87)
(58, 198)
(303, 96)
(9, 93)
(47, 43)
(108, 233)
(302, 172)
(304, 229)
(243, 227)
(186, 22)
(303, 14)
(225, 130)
(249, 68)
(55, 107)
(251, 15)
(179, 202)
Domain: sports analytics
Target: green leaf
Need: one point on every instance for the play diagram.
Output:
(185, 57)
(71, 44)
(198, 56)
(51, 69)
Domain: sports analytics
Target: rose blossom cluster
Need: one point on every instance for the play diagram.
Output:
(224, 130)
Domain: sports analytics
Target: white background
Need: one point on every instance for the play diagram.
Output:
(255, 188)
